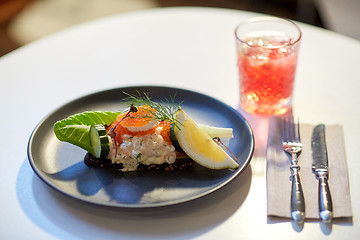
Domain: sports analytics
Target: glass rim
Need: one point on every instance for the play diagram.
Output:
(269, 19)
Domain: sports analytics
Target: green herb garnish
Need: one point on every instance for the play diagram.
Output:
(164, 110)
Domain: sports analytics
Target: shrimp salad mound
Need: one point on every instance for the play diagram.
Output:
(140, 140)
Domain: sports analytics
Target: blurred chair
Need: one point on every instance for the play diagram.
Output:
(44, 17)
(342, 16)
(8, 10)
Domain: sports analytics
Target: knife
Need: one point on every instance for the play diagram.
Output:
(320, 169)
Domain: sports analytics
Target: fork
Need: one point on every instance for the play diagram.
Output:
(292, 145)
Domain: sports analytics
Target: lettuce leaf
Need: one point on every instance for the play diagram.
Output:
(76, 128)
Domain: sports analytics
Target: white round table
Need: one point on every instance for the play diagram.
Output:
(191, 48)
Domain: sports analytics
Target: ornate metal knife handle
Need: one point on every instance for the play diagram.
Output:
(325, 201)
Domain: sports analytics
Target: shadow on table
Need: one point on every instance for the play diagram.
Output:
(326, 228)
(65, 217)
(260, 127)
(138, 188)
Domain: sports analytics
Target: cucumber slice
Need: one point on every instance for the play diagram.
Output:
(174, 141)
(99, 141)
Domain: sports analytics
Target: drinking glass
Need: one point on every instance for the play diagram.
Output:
(267, 53)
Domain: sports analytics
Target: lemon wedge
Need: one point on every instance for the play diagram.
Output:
(199, 146)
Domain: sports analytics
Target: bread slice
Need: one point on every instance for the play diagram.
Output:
(181, 162)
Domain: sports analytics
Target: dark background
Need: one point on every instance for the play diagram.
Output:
(299, 10)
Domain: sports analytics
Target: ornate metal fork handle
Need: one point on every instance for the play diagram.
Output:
(297, 196)
(293, 146)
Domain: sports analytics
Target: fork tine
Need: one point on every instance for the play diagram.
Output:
(286, 134)
(298, 131)
(289, 130)
(292, 129)
(283, 137)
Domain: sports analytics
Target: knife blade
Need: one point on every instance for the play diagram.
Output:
(320, 169)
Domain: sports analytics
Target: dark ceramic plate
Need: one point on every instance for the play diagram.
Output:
(60, 164)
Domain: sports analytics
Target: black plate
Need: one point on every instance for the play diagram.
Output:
(61, 164)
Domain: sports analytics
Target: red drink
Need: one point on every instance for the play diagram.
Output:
(267, 65)
(267, 79)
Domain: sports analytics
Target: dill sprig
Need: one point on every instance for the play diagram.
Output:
(164, 110)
